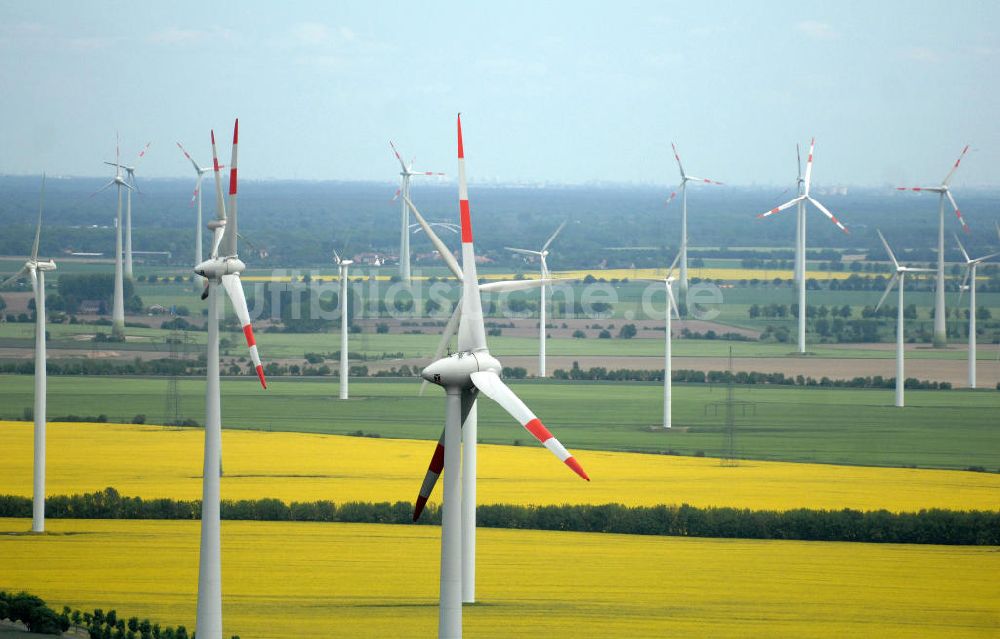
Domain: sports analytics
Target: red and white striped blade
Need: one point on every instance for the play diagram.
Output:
(190, 159)
(673, 194)
(430, 478)
(830, 215)
(395, 151)
(493, 387)
(784, 206)
(809, 165)
(234, 288)
(471, 330)
(692, 178)
(933, 189)
(958, 213)
(220, 203)
(677, 156)
(954, 167)
(232, 229)
(441, 247)
(194, 196)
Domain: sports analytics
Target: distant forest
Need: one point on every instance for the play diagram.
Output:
(300, 223)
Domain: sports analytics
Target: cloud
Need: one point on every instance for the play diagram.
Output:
(816, 30)
(317, 34)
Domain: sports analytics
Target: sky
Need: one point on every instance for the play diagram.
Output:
(555, 92)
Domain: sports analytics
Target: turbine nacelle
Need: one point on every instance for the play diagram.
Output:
(49, 265)
(455, 371)
(214, 269)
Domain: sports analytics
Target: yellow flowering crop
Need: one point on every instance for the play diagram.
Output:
(156, 461)
(296, 580)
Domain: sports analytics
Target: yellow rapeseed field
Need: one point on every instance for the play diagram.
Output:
(299, 580)
(156, 461)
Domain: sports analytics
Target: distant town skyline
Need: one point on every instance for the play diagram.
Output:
(560, 93)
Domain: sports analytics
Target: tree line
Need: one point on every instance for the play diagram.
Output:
(600, 373)
(932, 526)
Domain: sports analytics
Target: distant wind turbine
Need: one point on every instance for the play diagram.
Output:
(200, 172)
(35, 270)
(898, 276)
(800, 243)
(406, 172)
(543, 300)
(342, 264)
(118, 303)
(970, 284)
(130, 174)
(682, 187)
(943, 191)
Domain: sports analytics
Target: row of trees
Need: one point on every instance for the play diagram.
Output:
(933, 526)
(600, 373)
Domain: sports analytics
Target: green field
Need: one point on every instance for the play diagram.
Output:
(295, 345)
(942, 429)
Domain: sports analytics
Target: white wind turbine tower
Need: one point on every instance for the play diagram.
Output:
(35, 270)
(406, 172)
(342, 264)
(470, 427)
(118, 304)
(200, 172)
(800, 244)
(671, 310)
(222, 268)
(464, 375)
(900, 276)
(543, 301)
(970, 283)
(943, 191)
(682, 187)
(130, 174)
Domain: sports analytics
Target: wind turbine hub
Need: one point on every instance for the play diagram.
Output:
(216, 224)
(214, 269)
(455, 371)
(44, 266)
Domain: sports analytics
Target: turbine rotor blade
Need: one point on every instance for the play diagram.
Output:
(38, 228)
(229, 235)
(549, 241)
(677, 157)
(892, 256)
(493, 387)
(958, 213)
(809, 165)
(510, 286)
(961, 287)
(888, 289)
(961, 248)
(434, 470)
(13, 278)
(672, 301)
(673, 265)
(828, 214)
(954, 167)
(190, 159)
(442, 249)
(449, 331)
(782, 207)
(471, 328)
(234, 288)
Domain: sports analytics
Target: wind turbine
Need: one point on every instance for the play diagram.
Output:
(446, 226)
(541, 255)
(668, 357)
(970, 278)
(900, 276)
(940, 331)
(470, 426)
(406, 172)
(199, 172)
(222, 268)
(800, 244)
(118, 303)
(682, 187)
(464, 375)
(344, 369)
(35, 270)
(130, 173)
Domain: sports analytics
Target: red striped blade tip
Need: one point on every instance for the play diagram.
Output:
(260, 375)
(236, 131)
(461, 148)
(418, 507)
(577, 468)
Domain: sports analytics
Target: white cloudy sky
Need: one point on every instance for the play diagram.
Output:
(554, 91)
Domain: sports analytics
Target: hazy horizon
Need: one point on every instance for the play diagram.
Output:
(582, 93)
